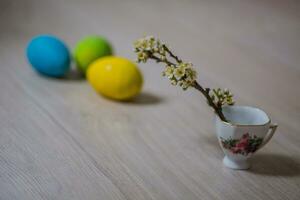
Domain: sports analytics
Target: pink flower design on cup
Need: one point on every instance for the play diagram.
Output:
(245, 145)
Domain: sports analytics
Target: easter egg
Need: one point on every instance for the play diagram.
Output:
(48, 55)
(115, 77)
(89, 49)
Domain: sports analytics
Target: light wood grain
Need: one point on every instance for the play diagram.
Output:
(60, 140)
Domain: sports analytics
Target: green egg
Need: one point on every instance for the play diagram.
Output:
(90, 49)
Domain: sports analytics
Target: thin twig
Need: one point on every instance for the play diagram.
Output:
(157, 59)
(218, 110)
(171, 54)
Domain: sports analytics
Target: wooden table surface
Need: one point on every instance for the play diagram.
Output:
(61, 140)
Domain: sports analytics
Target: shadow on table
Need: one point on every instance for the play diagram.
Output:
(146, 98)
(74, 74)
(275, 165)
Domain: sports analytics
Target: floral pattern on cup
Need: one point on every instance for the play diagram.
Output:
(245, 145)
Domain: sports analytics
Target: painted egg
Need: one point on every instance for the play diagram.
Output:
(115, 77)
(89, 49)
(48, 55)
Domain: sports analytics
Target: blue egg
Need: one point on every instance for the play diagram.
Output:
(48, 55)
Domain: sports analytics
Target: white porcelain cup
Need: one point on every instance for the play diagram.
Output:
(248, 130)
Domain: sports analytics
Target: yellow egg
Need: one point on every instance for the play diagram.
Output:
(115, 77)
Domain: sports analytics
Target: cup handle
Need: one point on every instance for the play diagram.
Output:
(269, 135)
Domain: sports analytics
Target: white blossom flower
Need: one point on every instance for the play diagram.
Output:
(222, 97)
(174, 82)
(179, 72)
(184, 84)
(148, 43)
(185, 74)
(142, 57)
(169, 71)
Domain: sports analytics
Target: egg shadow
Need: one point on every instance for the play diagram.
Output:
(74, 74)
(145, 98)
(275, 165)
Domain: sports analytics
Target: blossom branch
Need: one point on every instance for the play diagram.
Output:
(181, 73)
